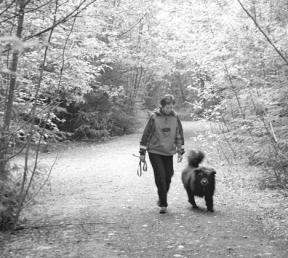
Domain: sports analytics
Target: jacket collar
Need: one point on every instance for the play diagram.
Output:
(159, 112)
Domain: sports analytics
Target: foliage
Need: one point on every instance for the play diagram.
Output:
(83, 70)
(11, 196)
(8, 203)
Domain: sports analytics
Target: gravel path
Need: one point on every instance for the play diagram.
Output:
(96, 206)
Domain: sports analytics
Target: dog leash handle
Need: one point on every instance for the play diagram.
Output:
(139, 170)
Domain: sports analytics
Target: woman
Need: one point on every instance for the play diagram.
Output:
(162, 138)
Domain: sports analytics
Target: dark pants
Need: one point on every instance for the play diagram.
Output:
(163, 172)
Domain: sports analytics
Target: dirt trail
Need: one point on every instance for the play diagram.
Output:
(96, 206)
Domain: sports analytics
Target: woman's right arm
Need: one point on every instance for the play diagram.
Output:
(149, 128)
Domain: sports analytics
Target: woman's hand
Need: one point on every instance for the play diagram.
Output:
(142, 157)
(179, 158)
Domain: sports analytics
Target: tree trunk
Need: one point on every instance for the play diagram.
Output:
(4, 142)
(181, 89)
(233, 88)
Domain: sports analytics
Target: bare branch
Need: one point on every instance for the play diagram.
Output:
(234, 91)
(7, 8)
(26, 11)
(64, 19)
(43, 183)
(63, 52)
(132, 27)
(262, 31)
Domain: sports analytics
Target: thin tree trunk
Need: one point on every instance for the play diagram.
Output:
(4, 143)
(180, 85)
(136, 86)
(235, 92)
(23, 192)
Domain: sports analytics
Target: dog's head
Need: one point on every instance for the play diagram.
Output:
(205, 176)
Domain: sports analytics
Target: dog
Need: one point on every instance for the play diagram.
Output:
(199, 181)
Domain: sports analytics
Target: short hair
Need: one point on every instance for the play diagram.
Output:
(167, 100)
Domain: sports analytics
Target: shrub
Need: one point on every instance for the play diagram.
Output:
(122, 122)
(9, 199)
(88, 132)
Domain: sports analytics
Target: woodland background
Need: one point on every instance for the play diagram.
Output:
(88, 70)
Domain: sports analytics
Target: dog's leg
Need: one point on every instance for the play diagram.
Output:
(192, 201)
(191, 198)
(190, 194)
(209, 202)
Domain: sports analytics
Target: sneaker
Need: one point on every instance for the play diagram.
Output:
(163, 210)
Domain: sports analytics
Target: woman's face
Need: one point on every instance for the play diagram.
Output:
(167, 109)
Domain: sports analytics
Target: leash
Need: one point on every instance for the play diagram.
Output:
(140, 167)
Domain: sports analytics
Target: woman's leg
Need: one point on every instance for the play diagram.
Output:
(168, 163)
(158, 164)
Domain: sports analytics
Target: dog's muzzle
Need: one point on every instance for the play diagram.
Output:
(204, 182)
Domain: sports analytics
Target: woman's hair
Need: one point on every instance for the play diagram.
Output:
(167, 100)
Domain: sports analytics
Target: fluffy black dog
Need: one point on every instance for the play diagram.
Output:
(199, 181)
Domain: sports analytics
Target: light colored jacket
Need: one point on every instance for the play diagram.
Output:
(163, 134)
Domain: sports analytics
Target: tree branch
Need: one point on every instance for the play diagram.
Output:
(26, 11)
(17, 14)
(63, 52)
(8, 7)
(261, 30)
(132, 27)
(63, 20)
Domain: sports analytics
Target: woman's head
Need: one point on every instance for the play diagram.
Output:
(167, 103)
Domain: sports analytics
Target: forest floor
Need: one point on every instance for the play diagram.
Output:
(95, 205)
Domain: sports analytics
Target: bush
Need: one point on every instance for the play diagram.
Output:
(87, 132)
(122, 122)
(264, 143)
(8, 201)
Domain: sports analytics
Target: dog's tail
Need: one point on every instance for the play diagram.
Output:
(195, 158)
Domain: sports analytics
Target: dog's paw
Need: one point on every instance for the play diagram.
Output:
(210, 210)
(195, 207)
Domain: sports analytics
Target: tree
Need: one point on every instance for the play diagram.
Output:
(16, 74)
